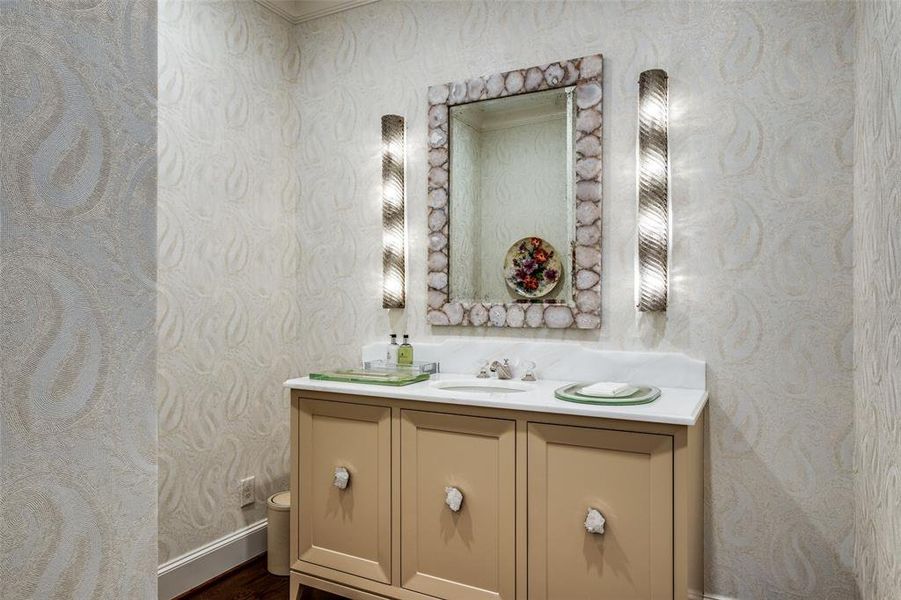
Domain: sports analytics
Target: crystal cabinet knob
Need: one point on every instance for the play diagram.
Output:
(453, 498)
(342, 478)
(594, 521)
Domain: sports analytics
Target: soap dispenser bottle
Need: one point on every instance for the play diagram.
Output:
(405, 352)
(391, 355)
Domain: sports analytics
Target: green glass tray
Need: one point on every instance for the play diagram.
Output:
(395, 378)
(644, 395)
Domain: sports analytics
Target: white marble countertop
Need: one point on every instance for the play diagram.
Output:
(675, 406)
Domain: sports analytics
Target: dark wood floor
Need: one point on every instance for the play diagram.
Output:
(251, 581)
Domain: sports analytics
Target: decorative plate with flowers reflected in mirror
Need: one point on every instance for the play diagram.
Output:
(532, 268)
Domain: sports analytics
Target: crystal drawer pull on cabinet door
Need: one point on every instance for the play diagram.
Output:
(595, 521)
(341, 479)
(453, 498)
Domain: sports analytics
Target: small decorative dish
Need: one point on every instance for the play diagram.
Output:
(532, 268)
(644, 394)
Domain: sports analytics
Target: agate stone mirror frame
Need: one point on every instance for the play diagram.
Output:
(582, 310)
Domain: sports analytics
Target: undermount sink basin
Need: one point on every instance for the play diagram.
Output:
(482, 386)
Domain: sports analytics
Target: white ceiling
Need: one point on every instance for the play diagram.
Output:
(298, 11)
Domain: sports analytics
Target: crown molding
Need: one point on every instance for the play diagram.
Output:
(300, 11)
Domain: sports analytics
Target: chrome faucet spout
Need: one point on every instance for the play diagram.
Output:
(503, 370)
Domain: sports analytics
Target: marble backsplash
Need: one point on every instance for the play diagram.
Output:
(558, 361)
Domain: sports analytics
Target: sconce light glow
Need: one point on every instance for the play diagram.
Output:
(393, 221)
(653, 191)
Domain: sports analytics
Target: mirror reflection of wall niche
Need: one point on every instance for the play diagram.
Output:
(510, 177)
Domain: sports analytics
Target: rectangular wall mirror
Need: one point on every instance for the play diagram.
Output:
(514, 198)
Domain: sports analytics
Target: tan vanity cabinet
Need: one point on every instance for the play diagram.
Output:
(348, 529)
(627, 478)
(527, 481)
(468, 553)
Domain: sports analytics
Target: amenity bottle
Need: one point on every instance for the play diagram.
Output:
(391, 355)
(405, 352)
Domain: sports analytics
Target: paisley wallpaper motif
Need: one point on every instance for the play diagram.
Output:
(877, 299)
(229, 262)
(762, 255)
(78, 430)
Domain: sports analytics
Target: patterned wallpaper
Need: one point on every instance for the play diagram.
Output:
(877, 298)
(78, 428)
(762, 149)
(229, 258)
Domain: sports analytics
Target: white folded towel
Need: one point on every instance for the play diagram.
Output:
(606, 389)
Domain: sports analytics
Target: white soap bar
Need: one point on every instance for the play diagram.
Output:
(607, 389)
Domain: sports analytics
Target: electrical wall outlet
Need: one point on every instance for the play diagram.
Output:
(247, 491)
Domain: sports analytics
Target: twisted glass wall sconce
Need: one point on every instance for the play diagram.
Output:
(653, 191)
(393, 221)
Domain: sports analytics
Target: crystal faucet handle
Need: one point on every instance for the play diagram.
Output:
(483, 370)
(529, 366)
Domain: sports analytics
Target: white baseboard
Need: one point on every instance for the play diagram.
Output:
(188, 571)
(715, 597)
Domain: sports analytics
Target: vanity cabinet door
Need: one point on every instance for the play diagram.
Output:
(470, 553)
(628, 478)
(345, 529)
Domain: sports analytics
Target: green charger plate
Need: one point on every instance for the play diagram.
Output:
(394, 378)
(570, 393)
